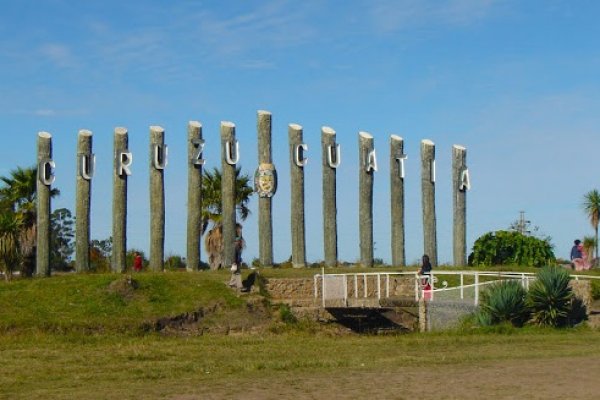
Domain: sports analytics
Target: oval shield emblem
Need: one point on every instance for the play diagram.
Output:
(265, 180)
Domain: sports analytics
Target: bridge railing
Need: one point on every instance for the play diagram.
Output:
(463, 286)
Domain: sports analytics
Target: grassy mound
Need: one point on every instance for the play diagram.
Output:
(113, 303)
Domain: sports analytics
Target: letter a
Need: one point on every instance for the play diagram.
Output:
(371, 161)
(465, 180)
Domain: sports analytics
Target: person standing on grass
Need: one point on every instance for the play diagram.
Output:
(137, 262)
(236, 267)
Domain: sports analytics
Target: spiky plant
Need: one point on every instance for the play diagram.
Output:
(550, 297)
(503, 301)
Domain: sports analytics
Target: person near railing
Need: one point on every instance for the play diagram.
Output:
(425, 274)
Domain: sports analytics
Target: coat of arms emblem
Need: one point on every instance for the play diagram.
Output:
(265, 180)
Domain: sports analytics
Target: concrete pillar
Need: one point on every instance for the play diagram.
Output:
(297, 162)
(428, 200)
(265, 220)
(229, 159)
(85, 171)
(122, 169)
(158, 162)
(460, 184)
(194, 203)
(367, 167)
(43, 186)
(397, 173)
(330, 161)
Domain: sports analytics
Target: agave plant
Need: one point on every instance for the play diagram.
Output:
(550, 297)
(503, 301)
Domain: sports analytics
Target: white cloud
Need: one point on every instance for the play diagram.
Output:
(393, 15)
(59, 54)
(45, 112)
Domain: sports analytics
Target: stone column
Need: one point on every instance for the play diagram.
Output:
(428, 199)
(367, 166)
(43, 187)
(460, 185)
(194, 220)
(330, 161)
(397, 158)
(229, 159)
(122, 164)
(265, 221)
(158, 162)
(85, 170)
(297, 162)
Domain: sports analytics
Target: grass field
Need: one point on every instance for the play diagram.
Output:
(83, 336)
(305, 366)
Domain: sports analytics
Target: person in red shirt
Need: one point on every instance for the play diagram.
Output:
(137, 262)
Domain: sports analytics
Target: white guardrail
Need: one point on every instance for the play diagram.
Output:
(336, 286)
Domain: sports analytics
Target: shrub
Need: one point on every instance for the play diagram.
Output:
(550, 297)
(286, 315)
(505, 248)
(503, 302)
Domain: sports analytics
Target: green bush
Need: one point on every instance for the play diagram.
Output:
(511, 248)
(550, 297)
(286, 315)
(503, 302)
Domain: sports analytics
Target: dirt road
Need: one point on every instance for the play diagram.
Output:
(563, 378)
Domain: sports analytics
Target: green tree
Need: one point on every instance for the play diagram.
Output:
(511, 248)
(10, 255)
(62, 238)
(591, 207)
(18, 196)
(212, 211)
(100, 252)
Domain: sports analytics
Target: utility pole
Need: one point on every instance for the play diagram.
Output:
(522, 224)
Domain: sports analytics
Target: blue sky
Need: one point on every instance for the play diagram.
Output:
(516, 82)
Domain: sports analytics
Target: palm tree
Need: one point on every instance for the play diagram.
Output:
(10, 225)
(591, 206)
(18, 196)
(211, 210)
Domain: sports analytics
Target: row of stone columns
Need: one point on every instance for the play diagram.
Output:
(265, 187)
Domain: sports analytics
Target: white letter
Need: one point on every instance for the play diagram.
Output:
(199, 143)
(465, 180)
(400, 160)
(371, 161)
(46, 172)
(299, 158)
(87, 166)
(161, 153)
(124, 161)
(228, 157)
(330, 156)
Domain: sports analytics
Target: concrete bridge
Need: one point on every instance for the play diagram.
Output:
(400, 301)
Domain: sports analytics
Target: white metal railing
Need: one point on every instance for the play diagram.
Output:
(337, 288)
